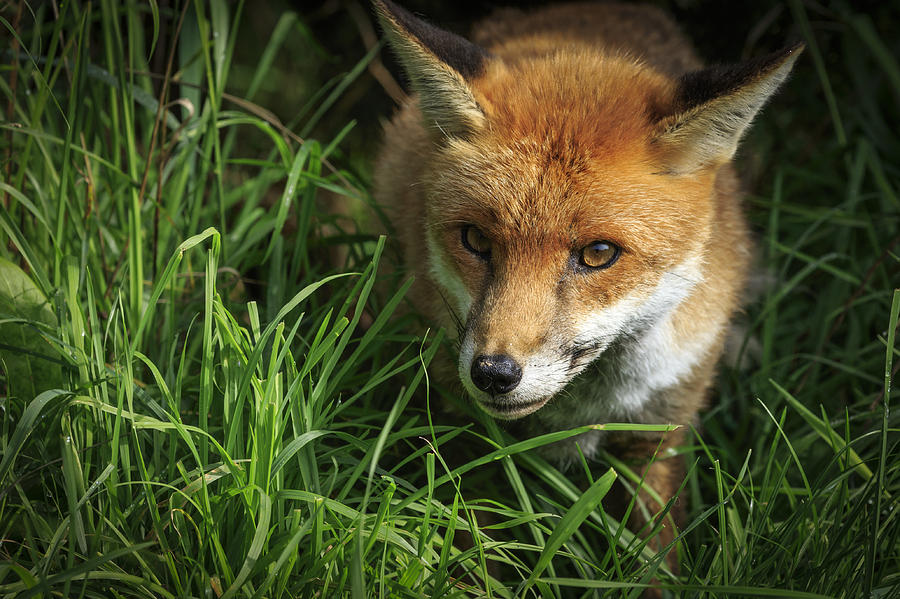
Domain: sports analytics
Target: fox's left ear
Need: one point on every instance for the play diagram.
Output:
(715, 106)
(440, 66)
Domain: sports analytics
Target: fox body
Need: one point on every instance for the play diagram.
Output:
(562, 189)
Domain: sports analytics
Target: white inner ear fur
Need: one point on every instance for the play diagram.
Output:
(709, 134)
(444, 97)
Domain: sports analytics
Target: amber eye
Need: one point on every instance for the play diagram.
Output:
(476, 242)
(600, 254)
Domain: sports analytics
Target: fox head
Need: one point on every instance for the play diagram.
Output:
(570, 196)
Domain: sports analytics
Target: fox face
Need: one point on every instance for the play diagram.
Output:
(577, 213)
(551, 254)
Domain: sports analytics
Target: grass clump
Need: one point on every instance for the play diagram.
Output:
(203, 395)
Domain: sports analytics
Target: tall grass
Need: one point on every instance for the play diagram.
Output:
(204, 392)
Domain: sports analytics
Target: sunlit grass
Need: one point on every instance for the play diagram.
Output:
(205, 392)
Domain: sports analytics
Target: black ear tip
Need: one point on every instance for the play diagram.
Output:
(786, 56)
(794, 48)
(397, 13)
(778, 58)
(394, 13)
(386, 8)
(453, 50)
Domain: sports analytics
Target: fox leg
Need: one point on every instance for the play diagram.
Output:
(661, 474)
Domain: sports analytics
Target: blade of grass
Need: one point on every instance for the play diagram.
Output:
(570, 522)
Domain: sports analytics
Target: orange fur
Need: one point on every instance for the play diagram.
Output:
(566, 127)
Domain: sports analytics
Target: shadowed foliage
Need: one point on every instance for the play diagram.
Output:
(204, 392)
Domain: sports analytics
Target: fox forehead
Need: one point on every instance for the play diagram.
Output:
(607, 104)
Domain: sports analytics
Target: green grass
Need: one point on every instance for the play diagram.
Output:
(204, 392)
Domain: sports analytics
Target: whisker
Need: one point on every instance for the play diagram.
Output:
(684, 278)
(460, 329)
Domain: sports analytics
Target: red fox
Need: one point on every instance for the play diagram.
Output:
(563, 192)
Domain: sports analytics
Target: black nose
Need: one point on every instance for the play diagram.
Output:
(496, 374)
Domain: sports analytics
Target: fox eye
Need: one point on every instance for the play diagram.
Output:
(476, 242)
(600, 254)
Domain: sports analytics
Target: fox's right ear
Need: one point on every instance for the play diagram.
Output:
(440, 65)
